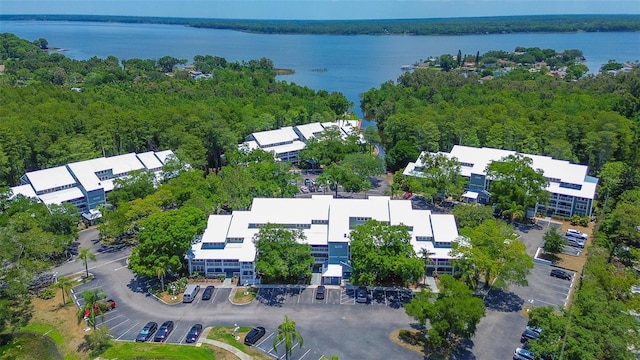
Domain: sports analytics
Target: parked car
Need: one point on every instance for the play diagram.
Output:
(561, 274)
(304, 189)
(208, 291)
(576, 234)
(320, 292)
(528, 334)
(523, 354)
(307, 182)
(312, 188)
(575, 242)
(163, 333)
(534, 328)
(100, 306)
(254, 335)
(147, 332)
(194, 333)
(319, 188)
(362, 294)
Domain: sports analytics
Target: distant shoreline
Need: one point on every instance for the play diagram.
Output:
(409, 27)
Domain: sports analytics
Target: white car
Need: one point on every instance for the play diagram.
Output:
(575, 242)
(576, 234)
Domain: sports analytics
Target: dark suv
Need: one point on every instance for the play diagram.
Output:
(320, 292)
(147, 332)
(254, 335)
(164, 331)
(208, 291)
(561, 274)
(362, 294)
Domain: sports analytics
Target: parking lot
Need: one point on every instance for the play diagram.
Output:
(286, 296)
(125, 327)
(298, 352)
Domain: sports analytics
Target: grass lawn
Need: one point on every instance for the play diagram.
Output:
(225, 334)
(132, 350)
(241, 298)
(28, 345)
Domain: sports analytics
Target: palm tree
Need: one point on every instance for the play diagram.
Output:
(91, 306)
(161, 271)
(287, 332)
(85, 255)
(64, 283)
(426, 256)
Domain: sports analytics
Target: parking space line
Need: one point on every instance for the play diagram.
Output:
(125, 333)
(285, 352)
(215, 294)
(184, 337)
(265, 339)
(305, 354)
(108, 320)
(118, 324)
(272, 348)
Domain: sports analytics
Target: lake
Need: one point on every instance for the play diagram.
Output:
(353, 64)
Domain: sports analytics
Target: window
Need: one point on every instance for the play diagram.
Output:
(466, 164)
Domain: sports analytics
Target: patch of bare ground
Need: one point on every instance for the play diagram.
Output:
(396, 339)
(64, 320)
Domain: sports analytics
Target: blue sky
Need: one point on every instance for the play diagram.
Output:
(320, 9)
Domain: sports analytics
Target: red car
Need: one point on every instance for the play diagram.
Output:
(101, 306)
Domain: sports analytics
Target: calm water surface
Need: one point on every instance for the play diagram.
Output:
(354, 63)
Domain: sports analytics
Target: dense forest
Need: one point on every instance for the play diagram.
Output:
(56, 110)
(449, 26)
(593, 120)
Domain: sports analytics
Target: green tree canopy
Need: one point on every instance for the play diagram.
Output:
(441, 175)
(494, 251)
(164, 238)
(283, 256)
(453, 316)
(471, 215)
(382, 254)
(553, 241)
(515, 184)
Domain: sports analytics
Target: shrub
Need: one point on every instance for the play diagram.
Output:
(47, 294)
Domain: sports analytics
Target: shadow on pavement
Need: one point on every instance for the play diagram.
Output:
(139, 284)
(463, 352)
(503, 301)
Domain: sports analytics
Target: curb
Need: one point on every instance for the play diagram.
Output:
(157, 298)
(232, 295)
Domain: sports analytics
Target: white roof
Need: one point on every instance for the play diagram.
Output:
(332, 223)
(284, 148)
(149, 160)
(58, 197)
(164, 155)
(51, 178)
(309, 131)
(24, 190)
(375, 208)
(85, 172)
(288, 210)
(123, 164)
(285, 134)
(480, 158)
(444, 227)
(470, 195)
(333, 270)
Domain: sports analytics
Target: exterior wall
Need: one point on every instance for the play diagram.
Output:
(338, 253)
(95, 198)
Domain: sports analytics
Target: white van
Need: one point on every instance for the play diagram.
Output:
(190, 293)
(576, 234)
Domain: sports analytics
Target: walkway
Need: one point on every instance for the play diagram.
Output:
(229, 348)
